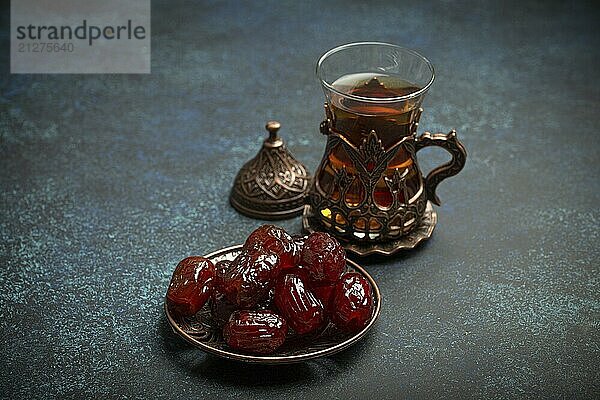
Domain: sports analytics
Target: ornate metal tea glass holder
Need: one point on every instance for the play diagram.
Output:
(367, 227)
(368, 190)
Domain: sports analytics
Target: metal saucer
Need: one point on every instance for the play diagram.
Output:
(203, 332)
(421, 232)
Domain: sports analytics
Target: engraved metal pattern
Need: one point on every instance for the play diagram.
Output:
(367, 226)
(420, 233)
(204, 332)
(273, 184)
(370, 160)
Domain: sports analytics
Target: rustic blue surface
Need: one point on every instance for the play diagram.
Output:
(106, 181)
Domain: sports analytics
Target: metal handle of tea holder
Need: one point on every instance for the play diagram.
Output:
(452, 145)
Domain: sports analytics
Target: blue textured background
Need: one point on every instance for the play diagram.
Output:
(106, 181)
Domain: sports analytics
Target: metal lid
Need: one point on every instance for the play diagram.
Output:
(273, 184)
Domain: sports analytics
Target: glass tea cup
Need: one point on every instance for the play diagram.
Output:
(368, 186)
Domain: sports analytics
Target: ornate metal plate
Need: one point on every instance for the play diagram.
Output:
(420, 233)
(203, 332)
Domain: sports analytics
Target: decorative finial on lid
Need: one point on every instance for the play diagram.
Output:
(273, 140)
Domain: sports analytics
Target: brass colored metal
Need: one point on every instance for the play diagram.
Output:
(368, 227)
(420, 233)
(273, 184)
(274, 140)
(203, 331)
(458, 152)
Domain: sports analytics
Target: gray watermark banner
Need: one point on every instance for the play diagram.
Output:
(80, 36)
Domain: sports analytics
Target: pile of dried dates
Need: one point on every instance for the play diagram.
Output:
(279, 284)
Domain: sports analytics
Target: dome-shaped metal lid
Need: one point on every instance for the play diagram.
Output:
(273, 184)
